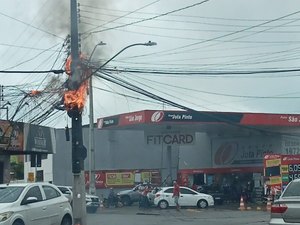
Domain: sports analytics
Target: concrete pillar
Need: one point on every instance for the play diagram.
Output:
(5, 170)
(169, 162)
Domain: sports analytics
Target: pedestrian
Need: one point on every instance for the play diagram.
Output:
(176, 193)
(145, 200)
(111, 198)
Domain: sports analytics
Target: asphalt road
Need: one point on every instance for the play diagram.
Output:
(213, 216)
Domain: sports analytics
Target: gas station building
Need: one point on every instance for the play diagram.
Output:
(211, 148)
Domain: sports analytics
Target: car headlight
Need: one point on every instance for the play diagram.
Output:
(5, 216)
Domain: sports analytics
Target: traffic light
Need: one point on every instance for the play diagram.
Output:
(79, 153)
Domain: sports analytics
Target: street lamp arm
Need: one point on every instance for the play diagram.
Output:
(150, 43)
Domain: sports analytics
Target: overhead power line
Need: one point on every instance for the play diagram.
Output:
(152, 18)
(33, 71)
(208, 72)
(30, 25)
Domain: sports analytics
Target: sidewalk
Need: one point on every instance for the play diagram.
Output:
(248, 206)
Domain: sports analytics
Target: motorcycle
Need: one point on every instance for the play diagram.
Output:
(114, 202)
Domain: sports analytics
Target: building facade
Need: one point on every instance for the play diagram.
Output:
(223, 149)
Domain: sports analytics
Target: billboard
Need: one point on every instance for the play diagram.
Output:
(245, 151)
(11, 136)
(39, 139)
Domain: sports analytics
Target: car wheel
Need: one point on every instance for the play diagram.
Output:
(126, 201)
(66, 221)
(120, 204)
(18, 222)
(202, 204)
(163, 204)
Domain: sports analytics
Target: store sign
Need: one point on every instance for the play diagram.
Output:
(132, 118)
(107, 122)
(120, 179)
(39, 139)
(193, 116)
(170, 139)
(243, 151)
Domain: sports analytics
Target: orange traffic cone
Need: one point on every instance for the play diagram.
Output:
(269, 203)
(242, 204)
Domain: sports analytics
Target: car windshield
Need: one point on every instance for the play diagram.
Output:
(10, 194)
(292, 190)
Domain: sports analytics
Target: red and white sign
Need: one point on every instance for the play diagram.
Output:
(132, 118)
(271, 119)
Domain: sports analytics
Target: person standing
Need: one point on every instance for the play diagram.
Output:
(111, 198)
(176, 193)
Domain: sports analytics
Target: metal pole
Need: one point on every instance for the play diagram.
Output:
(92, 188)
(79, 204)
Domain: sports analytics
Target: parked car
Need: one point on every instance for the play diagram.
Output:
(285, 210)
(151, 195)
(92, 201)
(132, 195)
(218, 195)
(33, 204)
(188, 197)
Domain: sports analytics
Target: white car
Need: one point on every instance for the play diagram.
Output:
(188, 197)
(33, 204)
(92, 201)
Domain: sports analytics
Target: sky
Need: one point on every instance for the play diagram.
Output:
(214, 55)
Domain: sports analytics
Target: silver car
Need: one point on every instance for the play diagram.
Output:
(286, 209)
(92, 201)
(33, 204)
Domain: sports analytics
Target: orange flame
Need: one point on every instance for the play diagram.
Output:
(69, 62)
(75, 99)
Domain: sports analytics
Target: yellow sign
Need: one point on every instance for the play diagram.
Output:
(119, 179)
(146, 176)
(273, 162)
(284, 169)
(275, 180)
(30, 177)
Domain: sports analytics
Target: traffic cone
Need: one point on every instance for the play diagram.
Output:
(101, 204)
(269, 203)
(242, 204)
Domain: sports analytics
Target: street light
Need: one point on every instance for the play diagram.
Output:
(91, 133)
(149, 43)
(91, 136)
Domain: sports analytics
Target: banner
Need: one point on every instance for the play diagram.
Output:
(11, 136)
(120, 179)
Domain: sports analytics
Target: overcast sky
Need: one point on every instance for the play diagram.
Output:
(206, 43)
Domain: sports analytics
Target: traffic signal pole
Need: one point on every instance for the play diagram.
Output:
(79, 202)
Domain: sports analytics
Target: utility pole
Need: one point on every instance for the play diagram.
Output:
(92, 188)
(78, 150)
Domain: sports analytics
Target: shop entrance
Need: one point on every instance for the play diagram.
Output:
(228, 186)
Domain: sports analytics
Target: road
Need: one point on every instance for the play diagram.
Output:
(212, 216)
